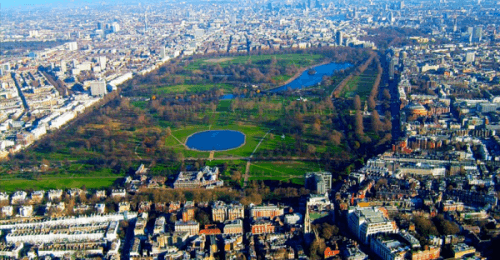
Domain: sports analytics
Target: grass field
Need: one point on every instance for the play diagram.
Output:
(361, 85)
(282, 171)
(188, 88)
(253, 134)
(299, 59)
(224, 106)
(58, 183)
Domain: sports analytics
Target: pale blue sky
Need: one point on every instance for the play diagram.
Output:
(21, 3)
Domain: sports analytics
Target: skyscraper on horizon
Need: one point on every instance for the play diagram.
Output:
(145, 21)
(339, 38)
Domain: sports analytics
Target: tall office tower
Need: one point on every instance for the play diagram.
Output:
(470, 29)
(311, 4)
(477, 34)
(320, 182)
(102, 62)
(146, 21)
(99, 26)
(163, 53)
(98, 88)
(339, 39)
(63, 66)
(393, 63)
(115, 27)
(470, 57)
(72, 46)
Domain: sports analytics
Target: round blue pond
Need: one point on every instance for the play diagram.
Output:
(215, 140)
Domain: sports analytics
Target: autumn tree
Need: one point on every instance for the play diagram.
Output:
(357, 102)
(444, 226)
(375, 121)
(387, 95)
(371, 103)
(358, 123)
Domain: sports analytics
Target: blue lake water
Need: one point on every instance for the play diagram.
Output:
(215, 140)
(306, 80)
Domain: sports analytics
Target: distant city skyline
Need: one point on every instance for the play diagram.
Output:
(37, 3)
(69, 3)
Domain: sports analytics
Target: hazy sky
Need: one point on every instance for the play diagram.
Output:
(28, 3)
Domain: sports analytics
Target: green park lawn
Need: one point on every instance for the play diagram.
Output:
(298, 59)
(163, 90)
(282, 171)
(361, 85)
(46, 183)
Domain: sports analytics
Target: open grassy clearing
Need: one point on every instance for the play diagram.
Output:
(58, 183)
(292, 171)
(361, 85)
(224, 106)
(253, 134)
(163, 90)
(298, 59)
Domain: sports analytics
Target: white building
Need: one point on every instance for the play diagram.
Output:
(26, 211)
(118, 193)
(72, 46)
(100, 208)
(366, 222)
(54, 194)
(292, 219)
(192, 227)
(7, 211)
(4, 196)
(389, 249)
(18, 197)
(98, 88)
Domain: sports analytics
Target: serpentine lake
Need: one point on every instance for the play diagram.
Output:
(307, 79)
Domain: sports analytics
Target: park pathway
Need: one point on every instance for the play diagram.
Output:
(247, 170)
(183, 144)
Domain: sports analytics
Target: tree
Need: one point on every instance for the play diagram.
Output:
(371, 103)
(357, 102)
(425, 226)
(387, 95)
(327, 231)
(444, 226)
(375, 121)
(358, 124)
(335, 137)
(317, 249)
(236, 176)
(168, 132)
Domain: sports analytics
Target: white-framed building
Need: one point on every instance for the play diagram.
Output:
(118, 193)
(389, 249)
(26, 211)
(4, 196)
(192, 227)
(100, 208)
(366, 222)
(7, 211)
(37, 196)
(18, 197)
(54, 195)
